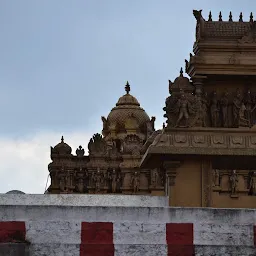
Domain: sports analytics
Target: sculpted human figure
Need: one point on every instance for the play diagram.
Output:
(80, 185)
(248, 106)
(233, 182)
(97, 178)
(237, 103)
(224, 109)
(135, 182)
(62, 184)
(183, 105)
(252, 184)
(115, 179)
(214, 109)
(216, 178)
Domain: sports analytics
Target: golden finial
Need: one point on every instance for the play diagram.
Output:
(220, 17)
(251, 17)
(127, 87)
(230, 17)
(241, 17)
(62, 139)
(210, 16)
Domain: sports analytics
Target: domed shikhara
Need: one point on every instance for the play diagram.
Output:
(61, 148)
(181, 83)
(127, 117)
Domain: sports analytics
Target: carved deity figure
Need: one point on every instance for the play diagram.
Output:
(252, 183)
(115, 180)
(233, 182)
(224, 109)
(62, 184)
(216, 178)
(80, 185)
(135, 182)
(242, 119)
(214, 109)
(183, 106)
(237, 104)
(97, 178)
(248, 105)
(156, 179)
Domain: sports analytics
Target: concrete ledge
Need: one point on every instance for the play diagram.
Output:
(83, 200)
(133, 214)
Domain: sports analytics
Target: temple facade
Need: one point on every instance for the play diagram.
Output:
(205, 155)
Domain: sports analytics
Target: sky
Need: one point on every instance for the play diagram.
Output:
(64, 64)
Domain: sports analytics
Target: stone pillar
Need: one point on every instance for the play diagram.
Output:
(171, 172)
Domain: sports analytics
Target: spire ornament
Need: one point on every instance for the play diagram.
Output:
(251, 17)
(230, 17)
(210, 16)
(62, 139)
(241, 17)
(220, 17)
(181, 72)
(127, 87)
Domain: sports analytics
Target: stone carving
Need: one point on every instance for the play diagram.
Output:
(115, 179)
(252, 183)
(233, 182)
(248, 106)
(216, 177)
(97, 144)
(97, 178)
(132, 142)
(80, 151)
(183, 105)
(250, 37)
(157, 178)
(224, 109)
(135, 182)
(214, 109)
(80, 183)
(237, 104)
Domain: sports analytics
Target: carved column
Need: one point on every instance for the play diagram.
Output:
(171, 172)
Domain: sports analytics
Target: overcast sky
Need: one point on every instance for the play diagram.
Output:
(64, 64)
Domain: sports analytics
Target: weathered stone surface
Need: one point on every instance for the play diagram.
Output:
(83, 200)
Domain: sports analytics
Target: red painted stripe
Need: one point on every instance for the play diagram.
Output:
(180, 238)
(97, 239)
(254, 231)
(12, 231)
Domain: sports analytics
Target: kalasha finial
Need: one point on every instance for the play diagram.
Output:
(251, 17)
(230, 17)
(241, 17)
(210, 16)
(62, 139)
(127, 87)
(181, 71)
(220, 17)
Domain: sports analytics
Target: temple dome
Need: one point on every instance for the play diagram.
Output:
(128, 109)
(62, 148)
(181, 83)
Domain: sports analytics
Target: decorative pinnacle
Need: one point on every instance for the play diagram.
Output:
(181, 71)
(210, 16)
(127, 88)
(230, 17)
(62, 139)
(220, 17)
(241, 17)
(251, 17)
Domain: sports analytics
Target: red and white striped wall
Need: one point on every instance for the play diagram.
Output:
(81, 238)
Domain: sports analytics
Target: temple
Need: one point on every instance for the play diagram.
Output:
(205, 154)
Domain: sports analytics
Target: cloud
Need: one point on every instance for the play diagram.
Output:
(24, 162)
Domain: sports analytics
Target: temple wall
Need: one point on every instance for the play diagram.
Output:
(188, 185)
(56, 227)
